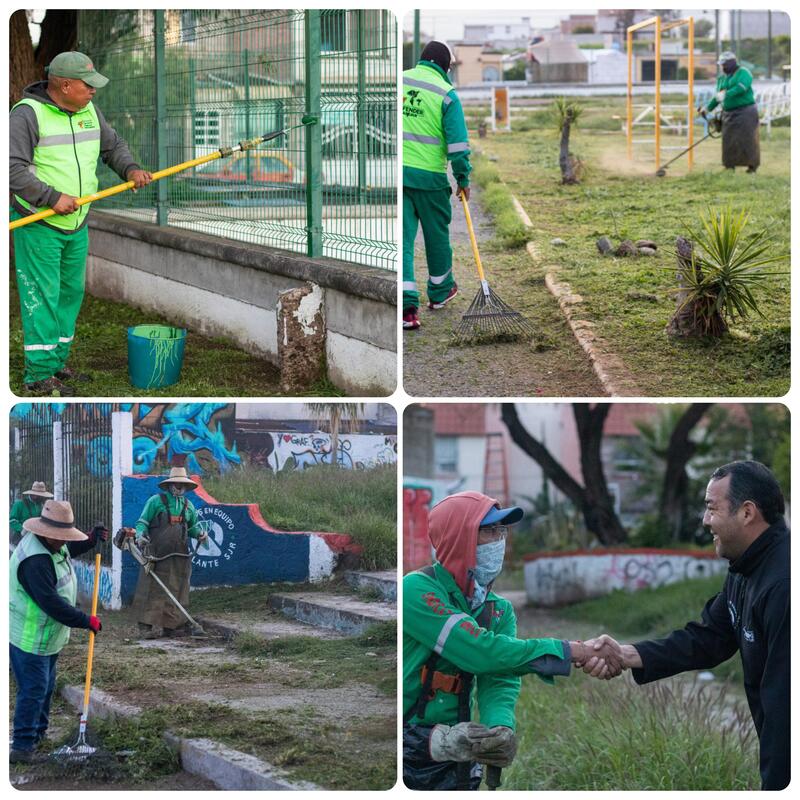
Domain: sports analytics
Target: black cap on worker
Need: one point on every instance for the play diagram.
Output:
(438, 52)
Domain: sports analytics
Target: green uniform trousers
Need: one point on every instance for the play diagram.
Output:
(432, 209)
(51, 273)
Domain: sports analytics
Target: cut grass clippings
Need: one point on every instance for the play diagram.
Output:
(213, 367)
(630, 300)
(360, 503)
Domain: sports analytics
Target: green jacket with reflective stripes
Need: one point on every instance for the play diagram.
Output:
(437, 618)
(434, 130)
(31, 630)
(738, 90)
(65, 156)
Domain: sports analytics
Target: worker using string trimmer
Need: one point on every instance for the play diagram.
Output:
(56, 135)
(42, 593)
(434, 132)
(461, 652)
(162, 532)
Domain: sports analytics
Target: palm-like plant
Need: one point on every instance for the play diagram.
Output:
(566, 113)
(336, 416)
(721, 271)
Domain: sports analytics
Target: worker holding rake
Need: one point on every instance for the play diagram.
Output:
(56, 135)
(42, 593)
(434, 132)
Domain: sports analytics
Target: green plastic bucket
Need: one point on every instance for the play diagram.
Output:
(155, 355)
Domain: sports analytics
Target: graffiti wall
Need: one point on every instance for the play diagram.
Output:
(416, 545)
(203, 433)
(556, 579)
(242, 547)
(84, 572)
(281, 450)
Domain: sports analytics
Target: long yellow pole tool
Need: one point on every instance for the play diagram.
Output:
(81, 749)
(488, 317)
(224, 152)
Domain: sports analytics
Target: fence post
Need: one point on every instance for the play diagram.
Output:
(362, 107)
(313, 132)
(162, 203)
(59, 472)
(121, 464)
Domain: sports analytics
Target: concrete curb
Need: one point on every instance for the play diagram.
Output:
(385, 583)
(342, 613)
(225, 767)
(609, 368)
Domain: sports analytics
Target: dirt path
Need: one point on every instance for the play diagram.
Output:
(552, 365)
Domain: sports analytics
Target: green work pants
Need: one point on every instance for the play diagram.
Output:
(51, 273)
(432, 210)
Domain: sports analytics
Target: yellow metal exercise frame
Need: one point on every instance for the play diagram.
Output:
(661, 26)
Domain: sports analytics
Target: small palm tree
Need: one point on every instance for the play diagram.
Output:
(566, 114)
(337, 416)
(720, 270)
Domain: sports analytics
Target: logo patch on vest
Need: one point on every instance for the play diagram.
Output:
(411, 103)
(86, 123)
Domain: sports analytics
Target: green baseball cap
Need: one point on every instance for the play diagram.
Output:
(77, 65)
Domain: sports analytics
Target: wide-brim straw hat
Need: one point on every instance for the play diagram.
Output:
(39, 490)
(178, 477)
(56, 522)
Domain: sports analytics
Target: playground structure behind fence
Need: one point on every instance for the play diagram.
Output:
(184, 83)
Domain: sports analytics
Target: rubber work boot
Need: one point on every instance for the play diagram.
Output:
(410, 319)
(69, 374)
(48, 387)
(442, 303)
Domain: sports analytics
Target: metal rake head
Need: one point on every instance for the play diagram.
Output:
(490, 319)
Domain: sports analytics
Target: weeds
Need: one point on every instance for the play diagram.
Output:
(510, 232)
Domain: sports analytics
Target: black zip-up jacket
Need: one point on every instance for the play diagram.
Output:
(751, 615)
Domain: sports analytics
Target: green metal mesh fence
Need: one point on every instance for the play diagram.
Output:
(185, 83)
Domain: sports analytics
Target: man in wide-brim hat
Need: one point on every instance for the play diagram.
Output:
(42, 594)
(167, 522)
(28, 506)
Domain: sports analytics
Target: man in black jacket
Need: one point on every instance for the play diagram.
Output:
(745, 513)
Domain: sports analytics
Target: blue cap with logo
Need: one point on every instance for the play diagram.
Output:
(502, 516)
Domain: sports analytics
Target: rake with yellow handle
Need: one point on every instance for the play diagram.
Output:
(82, 749)
(223, 152)
(488, 317)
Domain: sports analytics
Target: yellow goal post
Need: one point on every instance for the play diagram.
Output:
(660, 26)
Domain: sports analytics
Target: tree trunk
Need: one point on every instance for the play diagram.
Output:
(59, 34)
(21, 62)
(673, 502)
(693, 317)
(564, 157)
(593, 499)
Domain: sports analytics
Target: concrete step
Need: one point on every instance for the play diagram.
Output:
(383, 583)
(276, 627)
(335, 611)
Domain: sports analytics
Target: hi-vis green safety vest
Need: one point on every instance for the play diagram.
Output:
(31, 629)
(425, 96)
(65, 157)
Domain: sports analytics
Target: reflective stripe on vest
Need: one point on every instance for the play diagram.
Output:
(425, 95)
(31, 630)
(65, 156)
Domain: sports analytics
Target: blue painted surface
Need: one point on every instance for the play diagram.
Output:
(240, 551)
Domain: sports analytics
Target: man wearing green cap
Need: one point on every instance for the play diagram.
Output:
(434, 132)
(56, 135)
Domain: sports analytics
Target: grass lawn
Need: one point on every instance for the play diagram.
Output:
(212, 367)
(676, 734)
(629, 300)
(361, 503)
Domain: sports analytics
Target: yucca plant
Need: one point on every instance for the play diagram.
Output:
(720, 269)
(566, 114)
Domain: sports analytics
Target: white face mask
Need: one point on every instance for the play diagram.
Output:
(489, 564)
(177, 491)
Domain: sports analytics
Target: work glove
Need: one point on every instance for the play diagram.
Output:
(129, 532)
(456, 742)
(498, 749)
(202, 538)
(100, 533)
(143, 541)
(720, 96)
(95, 626)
